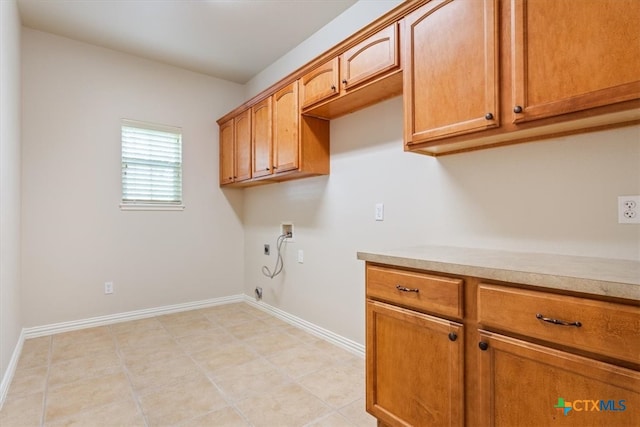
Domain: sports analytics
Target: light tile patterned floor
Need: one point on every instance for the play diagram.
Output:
(229, 365)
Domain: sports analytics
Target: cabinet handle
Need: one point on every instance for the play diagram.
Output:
(517, 109)
(557, 321)
(483, 345)
(267, 169)
(405, 289)
(453, 336)
(275, 167)
(344, 82)
(333, 88)
(488, 116)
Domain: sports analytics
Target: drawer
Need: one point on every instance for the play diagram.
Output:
(418, 291)
(600, 327)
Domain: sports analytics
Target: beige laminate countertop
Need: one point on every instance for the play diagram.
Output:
(597, 276)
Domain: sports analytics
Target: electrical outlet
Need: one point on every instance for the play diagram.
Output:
(108, 288)
(629, 209)
(267, 249)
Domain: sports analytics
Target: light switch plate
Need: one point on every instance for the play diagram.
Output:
(379, 215)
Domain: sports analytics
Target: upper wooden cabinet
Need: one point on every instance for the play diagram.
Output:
(272, 142)
(363, 75)
(286, 129)
(568, 58)
(473, 74)
(320, 83)
(261, 142)
(227, 156)
(370, 58)
(235, 149)
(482, 73)
(450, 69)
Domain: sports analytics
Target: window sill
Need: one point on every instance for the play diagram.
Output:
(149, 207)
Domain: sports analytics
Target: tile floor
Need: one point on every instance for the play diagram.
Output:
(229, 365)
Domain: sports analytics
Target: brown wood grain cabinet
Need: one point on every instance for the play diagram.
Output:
(261, 141)
(227, 156)
(414, 367)
(274, 141)
(473, 74)
(449, 350)
(365, 74)
(531, 69)
(525, 384)
(450, 52)
(235, 149)
(320, 83)
(567, 58)
(286, 132)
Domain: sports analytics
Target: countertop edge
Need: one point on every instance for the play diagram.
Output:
(584, 285)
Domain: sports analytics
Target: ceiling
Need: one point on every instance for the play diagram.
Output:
(229, 39)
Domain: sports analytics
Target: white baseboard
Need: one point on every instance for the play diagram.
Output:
(339, 340)
(73, 325)
(11, 369)
(56, 328)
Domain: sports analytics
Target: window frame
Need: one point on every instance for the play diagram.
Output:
(150, 205)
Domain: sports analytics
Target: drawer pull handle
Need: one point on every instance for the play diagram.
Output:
(557, 322)
(405, 289)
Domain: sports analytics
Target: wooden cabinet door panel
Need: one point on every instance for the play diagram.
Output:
(523, 384)
(242, 124)
(320, 84)
(450, 69)
(261, 142)
(286, 122)
(372, 57)
(226, 152)
(570, 56)
(414, 370)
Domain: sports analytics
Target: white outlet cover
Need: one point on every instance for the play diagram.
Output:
(629, 209)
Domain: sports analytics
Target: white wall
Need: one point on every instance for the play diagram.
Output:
(75, 237)
(556, 196)
(10, 316)
(358, 16)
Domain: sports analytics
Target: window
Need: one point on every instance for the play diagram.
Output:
(151, 166)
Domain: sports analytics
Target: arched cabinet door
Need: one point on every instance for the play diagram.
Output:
(450, 66)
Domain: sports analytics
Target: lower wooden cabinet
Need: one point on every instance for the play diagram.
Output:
(414, 367)
(524, 384)
(452, 351)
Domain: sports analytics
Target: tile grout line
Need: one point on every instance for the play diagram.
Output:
(125, 370)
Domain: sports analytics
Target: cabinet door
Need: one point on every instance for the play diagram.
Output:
(286, 116)
(371, 58)
(523, 384)
(226, 152)
(569, 57)
(450, 72)
(261, 138)
(414, 367)
(320, 84)
(242, 125)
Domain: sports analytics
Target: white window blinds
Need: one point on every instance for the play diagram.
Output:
(151, 164)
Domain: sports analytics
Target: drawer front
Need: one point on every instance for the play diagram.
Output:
(600, 327)
(418, 291)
